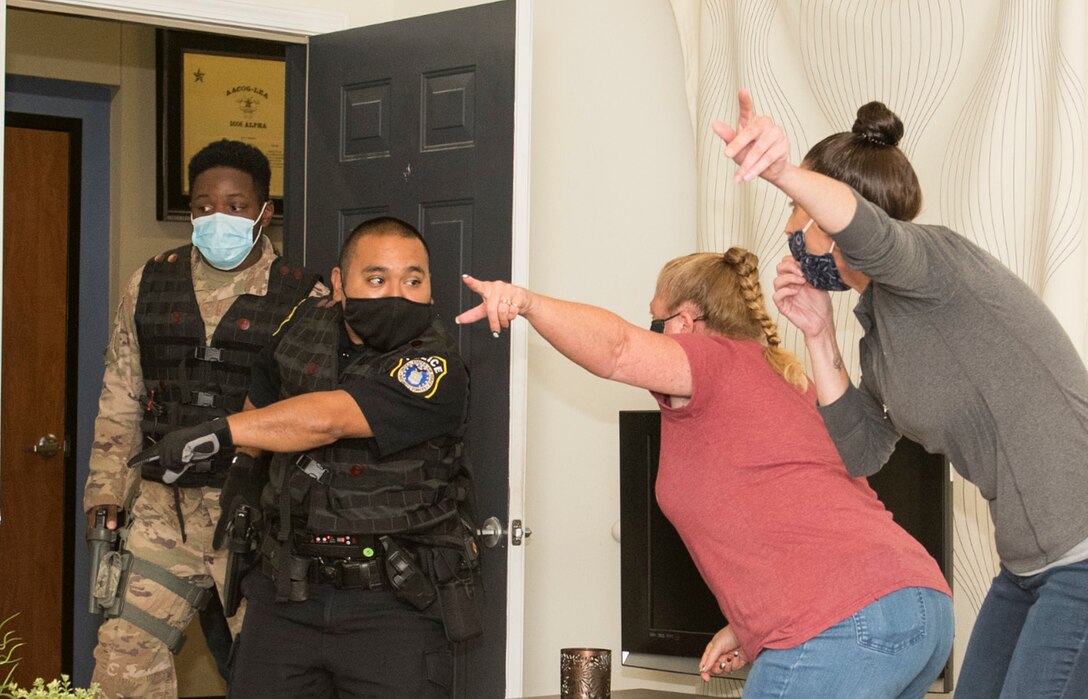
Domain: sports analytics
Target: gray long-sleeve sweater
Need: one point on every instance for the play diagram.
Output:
(961, 356)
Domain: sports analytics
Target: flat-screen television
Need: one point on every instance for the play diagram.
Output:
(668, 613)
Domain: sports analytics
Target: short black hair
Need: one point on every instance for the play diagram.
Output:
(383, 225)
(240, 156)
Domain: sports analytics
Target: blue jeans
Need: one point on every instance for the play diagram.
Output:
(1029, 639)
(895, 647)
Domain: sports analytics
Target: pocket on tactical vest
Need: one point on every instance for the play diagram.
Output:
(371, 497)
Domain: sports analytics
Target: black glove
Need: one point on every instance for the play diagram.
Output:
(176, 451)
(245, 482)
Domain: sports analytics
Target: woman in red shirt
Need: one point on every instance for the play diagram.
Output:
(824, 593)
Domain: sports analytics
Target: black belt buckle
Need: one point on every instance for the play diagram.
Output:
(348, 574)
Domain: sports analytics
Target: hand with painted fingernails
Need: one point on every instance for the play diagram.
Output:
(501, 303)
(722, 654)
(757, 145)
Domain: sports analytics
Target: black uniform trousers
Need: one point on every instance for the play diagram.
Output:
(347, 644)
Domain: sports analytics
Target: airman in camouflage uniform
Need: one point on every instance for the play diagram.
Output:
(170, 526)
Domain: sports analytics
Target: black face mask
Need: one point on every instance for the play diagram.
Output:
(388, 322)
(657, 325)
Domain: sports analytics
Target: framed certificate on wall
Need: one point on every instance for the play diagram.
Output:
(211, 87)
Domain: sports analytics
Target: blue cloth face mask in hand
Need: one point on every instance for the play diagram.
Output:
(225, 240)
(819, 271)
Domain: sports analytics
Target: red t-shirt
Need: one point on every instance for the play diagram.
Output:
(788, 543)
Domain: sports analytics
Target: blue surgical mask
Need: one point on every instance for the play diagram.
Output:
(819, 271)
(225, 240)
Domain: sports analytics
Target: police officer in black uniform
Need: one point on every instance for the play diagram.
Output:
(367, 559)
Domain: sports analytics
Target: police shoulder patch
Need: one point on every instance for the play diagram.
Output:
(420, 374)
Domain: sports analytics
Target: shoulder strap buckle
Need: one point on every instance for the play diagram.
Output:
(208, 354)
(312, 468)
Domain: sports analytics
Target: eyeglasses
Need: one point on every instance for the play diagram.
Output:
(657, 325)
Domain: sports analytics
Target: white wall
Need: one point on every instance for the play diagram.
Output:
(612, 200)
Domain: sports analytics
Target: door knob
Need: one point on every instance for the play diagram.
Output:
(491, 532)
(47, 445)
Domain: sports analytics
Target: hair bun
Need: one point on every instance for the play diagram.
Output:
(878, 125)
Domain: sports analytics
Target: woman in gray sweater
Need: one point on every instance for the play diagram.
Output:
(959, 355)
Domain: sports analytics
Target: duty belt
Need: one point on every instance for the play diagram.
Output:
(347, 562)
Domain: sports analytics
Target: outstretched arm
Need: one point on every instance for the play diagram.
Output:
(300, 423)
(294, 424)
(760, 148)
(595, 339)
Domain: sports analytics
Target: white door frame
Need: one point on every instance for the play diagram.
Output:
(296, 24)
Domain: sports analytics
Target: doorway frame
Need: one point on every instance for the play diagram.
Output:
(91, 105)
(296, 25)
(72, 126)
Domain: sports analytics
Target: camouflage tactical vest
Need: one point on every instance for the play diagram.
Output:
(189, 381)
(347, 487)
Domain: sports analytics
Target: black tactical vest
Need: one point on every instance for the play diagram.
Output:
(189, 381)
(347, 487)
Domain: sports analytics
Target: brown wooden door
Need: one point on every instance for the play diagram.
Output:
(35, 500)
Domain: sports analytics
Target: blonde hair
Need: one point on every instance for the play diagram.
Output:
(726, 290)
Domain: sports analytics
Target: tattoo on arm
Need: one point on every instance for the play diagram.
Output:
(837, 362)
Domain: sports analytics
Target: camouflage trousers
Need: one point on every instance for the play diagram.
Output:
(129, 662)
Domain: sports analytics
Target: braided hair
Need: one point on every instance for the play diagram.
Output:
(727, 291)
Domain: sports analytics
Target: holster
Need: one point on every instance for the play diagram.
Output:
(409, 581)
(100, 541)
(111, 579)
(454, 574)
(460, 609)
(290, 572)
(241, 547)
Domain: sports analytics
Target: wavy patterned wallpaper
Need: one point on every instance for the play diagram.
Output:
(992, 96)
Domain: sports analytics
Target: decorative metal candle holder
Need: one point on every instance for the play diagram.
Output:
(585, 673)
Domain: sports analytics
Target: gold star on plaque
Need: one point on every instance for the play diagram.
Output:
(198, 76)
